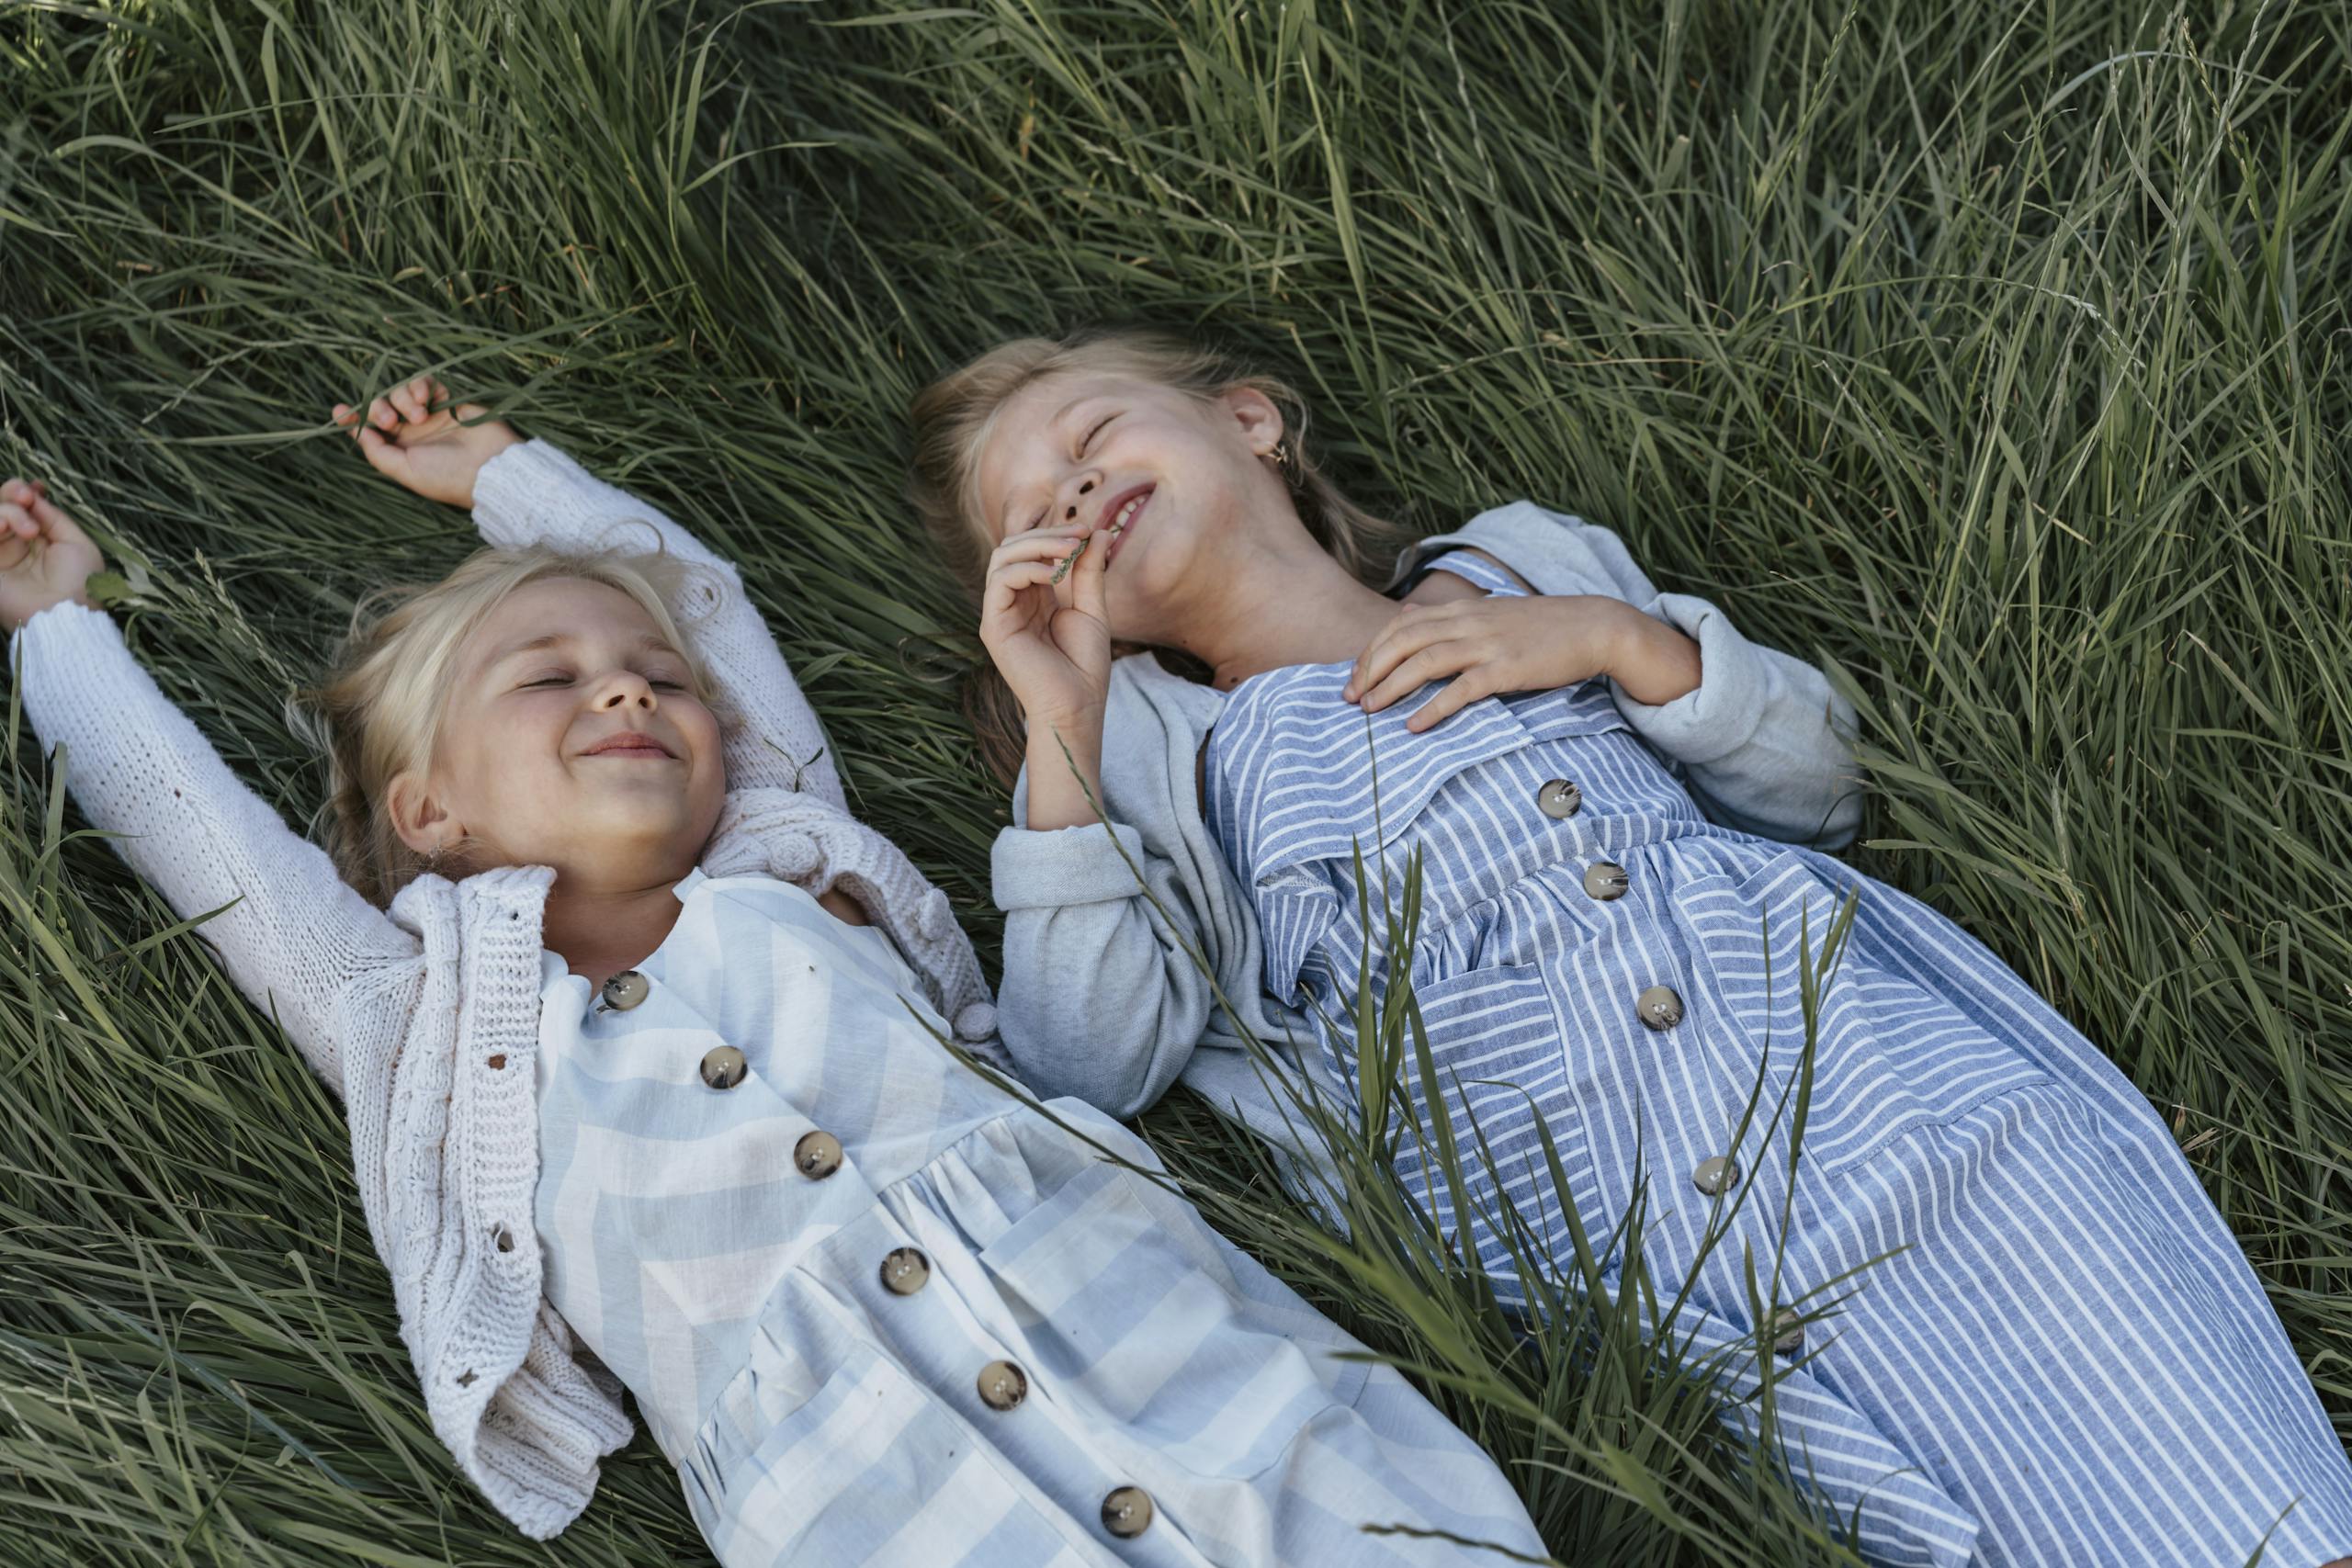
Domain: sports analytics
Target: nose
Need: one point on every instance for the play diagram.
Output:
(1069, 502)
(623, 687)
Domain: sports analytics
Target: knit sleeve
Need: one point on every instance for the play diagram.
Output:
(533, 493)
(292, 934)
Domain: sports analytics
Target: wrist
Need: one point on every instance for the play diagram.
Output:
(1071, 723)
(1650, 661)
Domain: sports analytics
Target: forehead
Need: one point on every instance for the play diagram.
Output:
(539, 612)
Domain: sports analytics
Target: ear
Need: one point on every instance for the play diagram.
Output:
(417, 815)
(1255, 416)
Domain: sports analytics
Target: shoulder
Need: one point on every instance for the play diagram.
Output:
(1552, 552)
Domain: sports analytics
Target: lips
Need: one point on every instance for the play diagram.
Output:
(627, 743)
(1120, 512)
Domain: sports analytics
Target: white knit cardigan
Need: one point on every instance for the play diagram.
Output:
(426, 1020)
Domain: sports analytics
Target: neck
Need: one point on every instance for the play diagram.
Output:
(1287, 603)
(602, 930)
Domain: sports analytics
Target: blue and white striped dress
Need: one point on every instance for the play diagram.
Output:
(878, 1311)
(2066, 1361)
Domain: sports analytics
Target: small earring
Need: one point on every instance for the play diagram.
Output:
(1280, 457)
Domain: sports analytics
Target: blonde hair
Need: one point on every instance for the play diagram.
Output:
(952, 420)
(380, 709)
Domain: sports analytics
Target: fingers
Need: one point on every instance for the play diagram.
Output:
(1429, 664)
(410, 400)
(1411, 629)
(26, 513)
(381, 454)
(1086, 577)
(1001, 608)
(1031, 544)
(1459, 694)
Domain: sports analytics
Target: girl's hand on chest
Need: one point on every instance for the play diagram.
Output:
(1492, 646)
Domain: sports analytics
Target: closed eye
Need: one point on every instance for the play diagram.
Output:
(1095, 431)
(566, 680)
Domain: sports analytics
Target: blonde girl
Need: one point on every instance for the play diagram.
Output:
(1621, 804)
(640, 1035)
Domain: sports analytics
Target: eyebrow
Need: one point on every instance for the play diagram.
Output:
(651, 642)
(1004, 523)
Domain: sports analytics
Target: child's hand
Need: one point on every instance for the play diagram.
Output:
(1538, 644)
(428, 450)
(1049, 638)
(44, 556)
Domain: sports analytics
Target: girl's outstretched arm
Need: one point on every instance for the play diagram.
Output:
(525, 491)
(294, 937)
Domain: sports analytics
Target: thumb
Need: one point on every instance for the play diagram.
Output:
(1086, 578)
(382, 455)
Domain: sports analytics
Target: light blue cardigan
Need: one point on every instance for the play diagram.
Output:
(1101, 998)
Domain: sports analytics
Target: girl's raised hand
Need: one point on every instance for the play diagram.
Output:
(411, 437)
(1045, 628)
(44, 556)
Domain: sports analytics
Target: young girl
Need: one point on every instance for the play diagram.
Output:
(640, 1098)
(2065, 1360)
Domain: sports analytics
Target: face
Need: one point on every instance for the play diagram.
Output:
(1183, 482)
(559, 669)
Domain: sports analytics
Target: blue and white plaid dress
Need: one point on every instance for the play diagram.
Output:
(878, 1311)
(2067, 1361)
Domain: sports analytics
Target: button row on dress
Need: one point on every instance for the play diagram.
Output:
(1126, 1510)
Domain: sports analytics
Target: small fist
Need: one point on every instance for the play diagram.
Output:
(45, 557)
(413, 437)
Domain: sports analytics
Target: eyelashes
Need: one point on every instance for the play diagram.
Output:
(566, 680)
(1083, 446)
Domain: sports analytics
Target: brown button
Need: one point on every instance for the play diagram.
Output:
(905, 1271)
(625, 989)
(1605, 880)
(1786, 1330)
(816, 1156)
(722, 1067)
(1559, 799)
(1126, 1511)
(1715, 1175)
(1002, 1385)
(1660, 1007)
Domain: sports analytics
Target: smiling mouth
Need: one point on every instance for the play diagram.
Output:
(655, 752)
(1129, 512)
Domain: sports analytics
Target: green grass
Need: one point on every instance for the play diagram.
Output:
(1993, 355)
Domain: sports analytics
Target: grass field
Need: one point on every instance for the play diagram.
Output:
(1991, 354)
